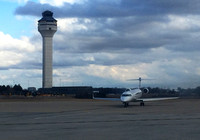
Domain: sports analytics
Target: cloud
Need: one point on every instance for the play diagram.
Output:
(57, 2)
(117, 8)
(122, 26)
(128, 35)
(117, 40)
(20, 61)
(10, 43)
(13, 50)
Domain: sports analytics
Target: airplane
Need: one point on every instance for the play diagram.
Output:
(134, 95)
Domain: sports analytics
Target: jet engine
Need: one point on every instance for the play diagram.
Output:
(145, 90)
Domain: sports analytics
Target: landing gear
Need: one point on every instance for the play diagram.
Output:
(141, 103)
(126, 104)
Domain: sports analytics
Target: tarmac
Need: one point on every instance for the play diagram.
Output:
(76, 119)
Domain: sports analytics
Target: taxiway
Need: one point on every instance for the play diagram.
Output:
(59, 119)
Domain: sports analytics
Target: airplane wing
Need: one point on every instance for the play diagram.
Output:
(108, 99)
(158, 99)
(144, 99)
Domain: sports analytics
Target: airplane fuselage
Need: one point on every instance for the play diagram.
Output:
(131, 95)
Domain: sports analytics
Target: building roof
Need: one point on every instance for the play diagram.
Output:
(47, 16)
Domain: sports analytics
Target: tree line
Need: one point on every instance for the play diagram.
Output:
(11, 90)
(189, 92)
(153, 92)
(106, 92)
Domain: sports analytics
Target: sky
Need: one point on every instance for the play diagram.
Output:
(103, 43)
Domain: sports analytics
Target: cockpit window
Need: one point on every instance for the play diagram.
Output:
(125, 95)
(128, 90)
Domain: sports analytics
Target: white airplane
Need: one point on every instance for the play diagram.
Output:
(134, 95)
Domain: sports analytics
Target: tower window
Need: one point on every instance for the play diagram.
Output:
(49, 28)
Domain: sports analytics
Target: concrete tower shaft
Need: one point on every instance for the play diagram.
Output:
(47, 26)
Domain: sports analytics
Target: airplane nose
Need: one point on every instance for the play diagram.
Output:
(124, 99)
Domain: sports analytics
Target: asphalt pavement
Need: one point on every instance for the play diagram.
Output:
(74, 119)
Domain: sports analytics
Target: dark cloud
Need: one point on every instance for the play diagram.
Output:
(123, 8)
(26, 65)
(125, 26)
(162, 34)
(121, 35)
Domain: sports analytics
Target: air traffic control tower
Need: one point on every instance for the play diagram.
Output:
(47, 26)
